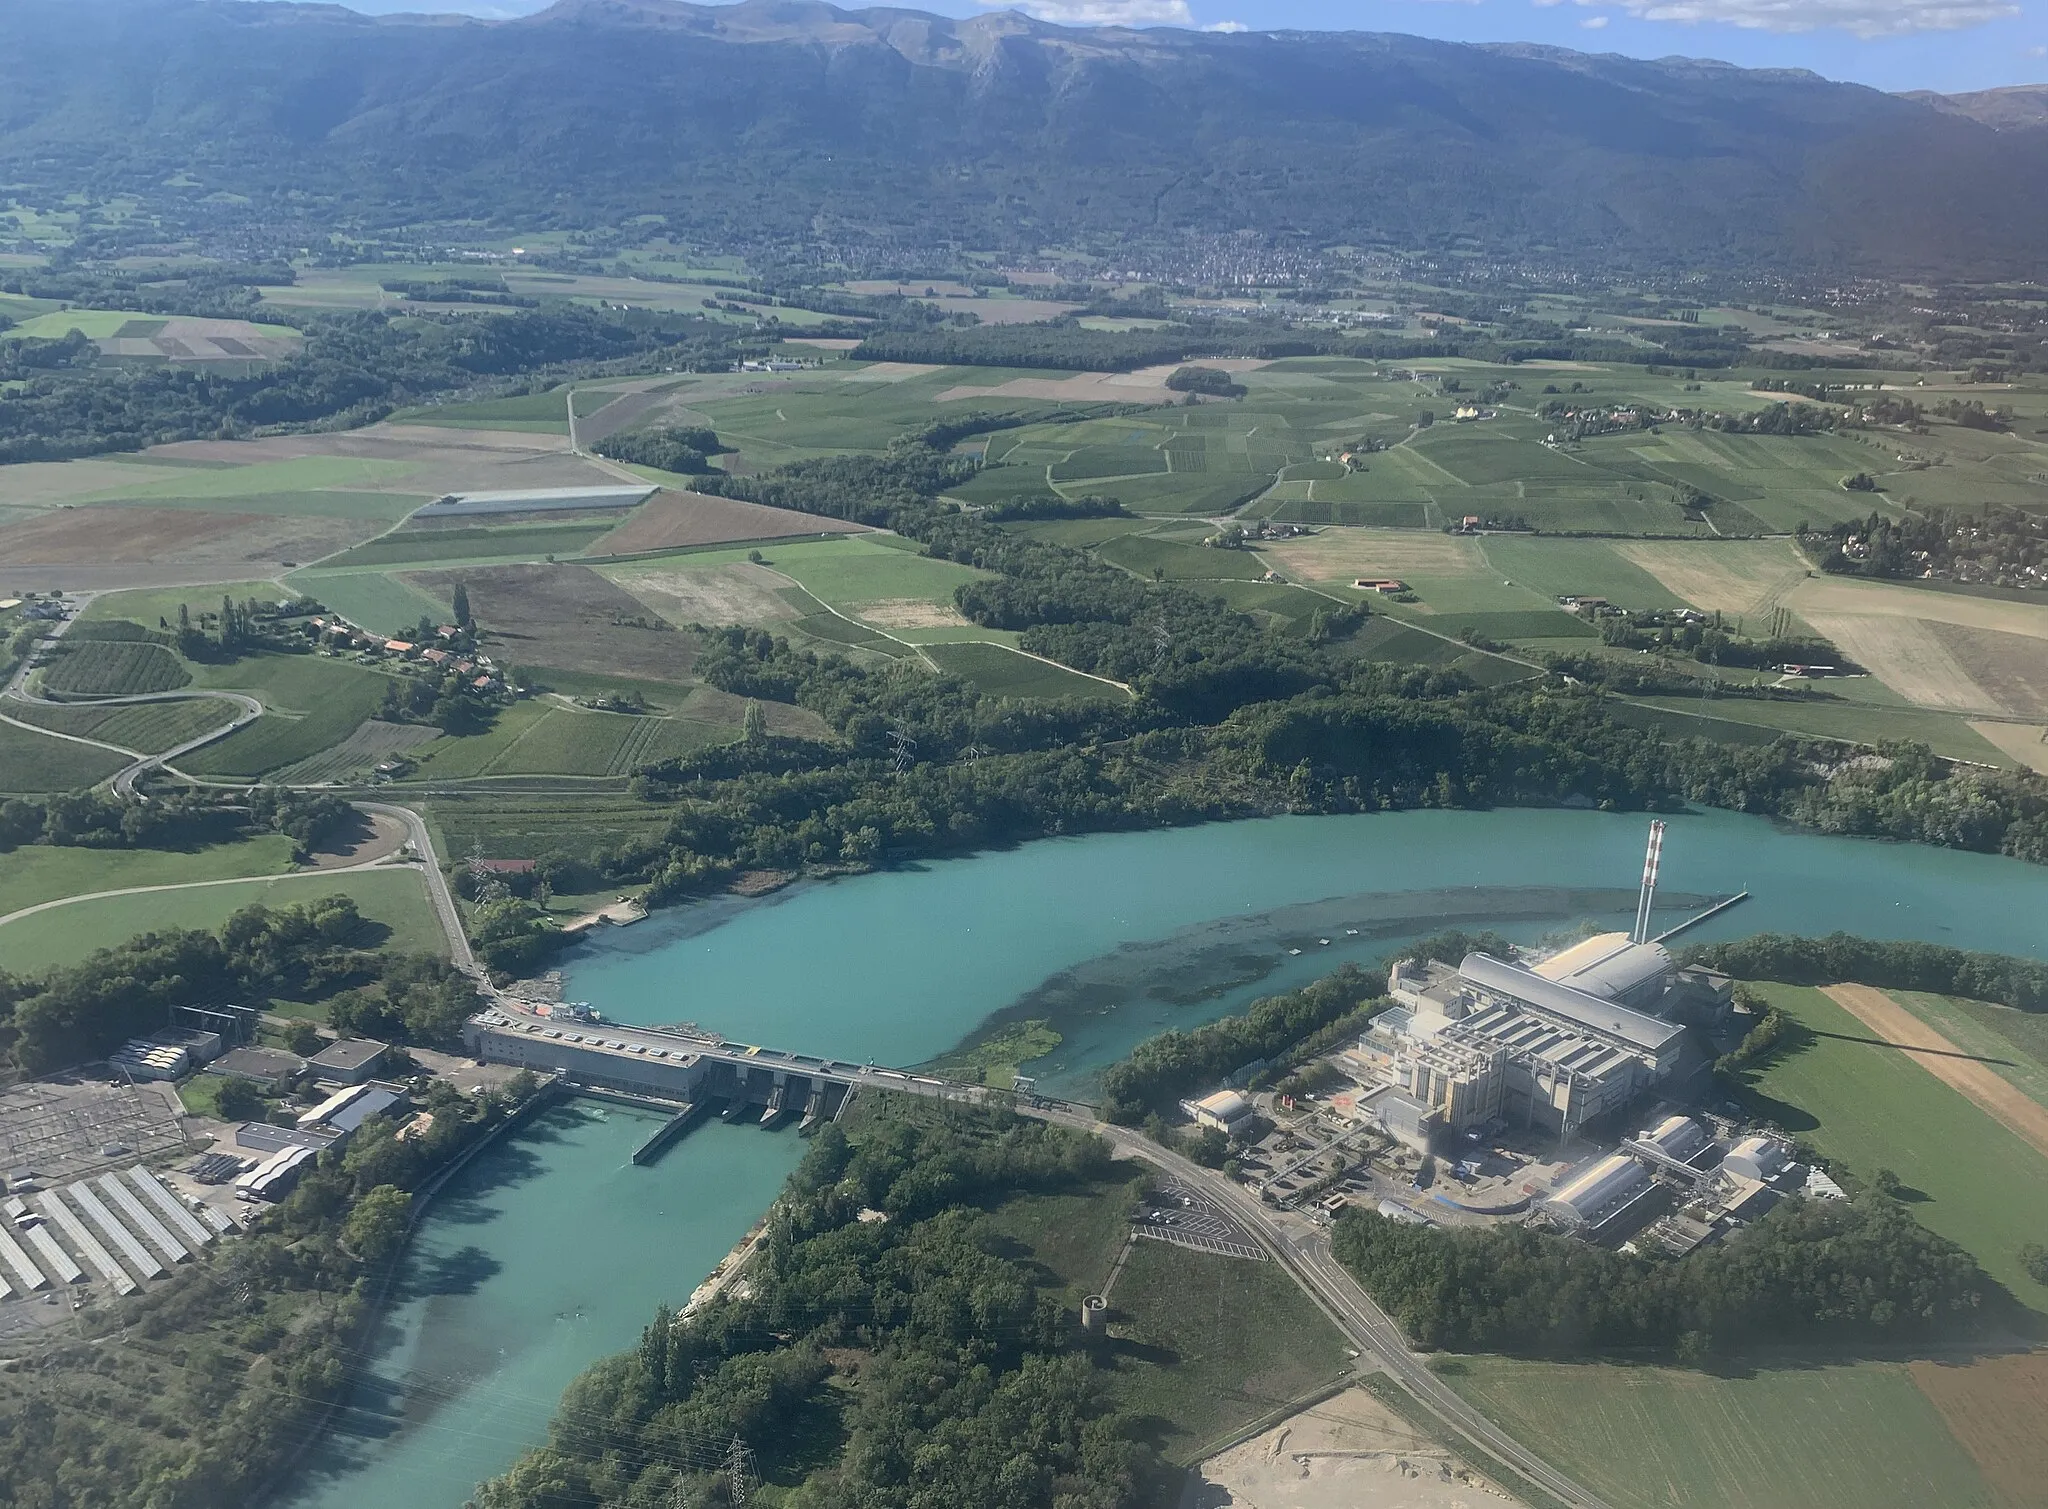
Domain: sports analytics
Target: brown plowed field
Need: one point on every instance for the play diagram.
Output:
(670, 520)
(567, 617)
(1994, 1407)
(118, 536)
(1982, 1086)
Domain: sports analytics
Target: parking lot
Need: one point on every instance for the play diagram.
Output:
(1189, 1218)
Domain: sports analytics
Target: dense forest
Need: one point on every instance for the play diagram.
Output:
(1841, 1273)
(305, 953)
(885, 1352)
(1889, 964)
(882, 135)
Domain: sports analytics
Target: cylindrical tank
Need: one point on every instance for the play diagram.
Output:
(1094, 1310)
(1756, 1158)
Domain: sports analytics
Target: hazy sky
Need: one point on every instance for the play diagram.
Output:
(1894, 44)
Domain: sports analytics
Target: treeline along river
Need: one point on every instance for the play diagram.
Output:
(551, 1250)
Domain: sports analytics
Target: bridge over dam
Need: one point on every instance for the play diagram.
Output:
(687, 1070)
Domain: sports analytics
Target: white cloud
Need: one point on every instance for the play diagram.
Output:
(2037, 52)
(1105, 12)
(1863, 18)
(1226, 26)
(1594, 23)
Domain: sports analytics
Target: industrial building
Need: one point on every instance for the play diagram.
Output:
(538, 500)
(349, 1061)
(1496, 1042)
(1226, 1111)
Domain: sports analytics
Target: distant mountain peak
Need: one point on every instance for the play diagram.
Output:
(2020, 107)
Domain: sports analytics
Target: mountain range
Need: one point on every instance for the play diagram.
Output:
(791, 119)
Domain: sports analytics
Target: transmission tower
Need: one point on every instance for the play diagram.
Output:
(740, 1475)
(904, 750)
(487, 886)
(1162, 639)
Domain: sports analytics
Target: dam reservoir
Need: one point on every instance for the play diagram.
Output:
(552, 1249)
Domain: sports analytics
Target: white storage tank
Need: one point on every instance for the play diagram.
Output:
(1757, 1158)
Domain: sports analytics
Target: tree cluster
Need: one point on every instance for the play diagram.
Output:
(1889, 964)
(1846, 1273)
(304, 953)
(669, 448)
(935, 1370)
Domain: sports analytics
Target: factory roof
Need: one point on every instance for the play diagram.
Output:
(1645, 1033)
(1607, 964)
(258, 1063)
(375, 1101)
(348, 1053)
(1225, 1105)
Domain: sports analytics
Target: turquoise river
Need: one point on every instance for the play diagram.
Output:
(552, 1249)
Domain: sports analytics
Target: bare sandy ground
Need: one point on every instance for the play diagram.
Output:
(671, 519)
(1349, 1452)
(2012, 667)
(1839, 594)
(911, 613)
(1738, 579)
(1906, 656)
(89, 538)
(2025, 743)
(1346, 554)
(2003, 1101)
(891, 372)
(738, 593)
(378, 838)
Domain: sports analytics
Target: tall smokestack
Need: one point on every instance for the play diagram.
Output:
(1649, 895)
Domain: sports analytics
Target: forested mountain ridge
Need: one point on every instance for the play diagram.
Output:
(769, 119)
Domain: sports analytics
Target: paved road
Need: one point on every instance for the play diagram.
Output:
(1304, 1251)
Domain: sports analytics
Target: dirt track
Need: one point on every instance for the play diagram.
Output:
(1980, 1084)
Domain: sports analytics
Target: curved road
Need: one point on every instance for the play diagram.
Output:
(1303, 1252)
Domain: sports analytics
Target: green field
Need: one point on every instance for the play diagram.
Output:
(310, 703)
(1859, 722)
(35, 873)
(512, 542)
(1199, 1344)
(101, 324)
(534, 413)
(377, 600)
(2015, 1043)
(1003, 672)
(1577, 568)
(149, 605)
(1143, 555)
(348, 483)
(853, 571)
(1793, 1438)
(147, 728)
(113, 668)
(524, 821)
(32, 763)
(1867, 1105)
(396, 899)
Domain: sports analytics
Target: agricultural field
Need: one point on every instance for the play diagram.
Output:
(530, 413)
(311, 703)
(1817, 1437)
(394, 901)
(563, 617)
(147, 728)
(1993, 1407)
(545, 738)
(677, 520)
(526, 820)
(32, 763)
(36, 873)
(1865, 1105)
(1003, 672)
(2013, 1043)
(383, 602)
(113, 668)
(502, 542)
(355, 757)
